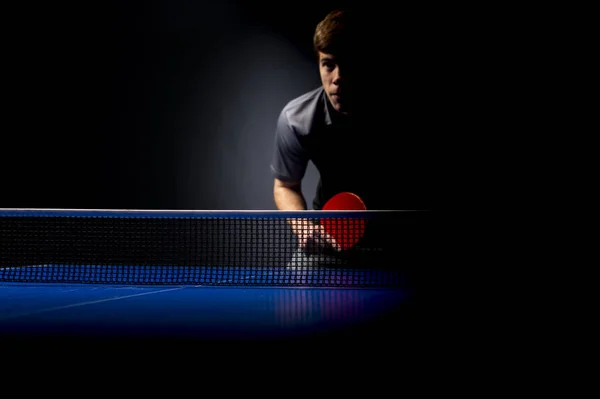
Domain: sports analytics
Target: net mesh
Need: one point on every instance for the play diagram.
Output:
(202, 247)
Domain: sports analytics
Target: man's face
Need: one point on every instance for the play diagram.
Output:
(335, 82)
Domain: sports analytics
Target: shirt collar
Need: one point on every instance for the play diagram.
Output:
(326, 114)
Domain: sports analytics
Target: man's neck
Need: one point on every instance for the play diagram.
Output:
(338, 117)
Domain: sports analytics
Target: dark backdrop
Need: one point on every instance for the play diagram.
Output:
(161, 104)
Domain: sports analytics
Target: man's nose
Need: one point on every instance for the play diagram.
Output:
(337, 76)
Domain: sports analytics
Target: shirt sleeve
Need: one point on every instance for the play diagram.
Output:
(290, 158)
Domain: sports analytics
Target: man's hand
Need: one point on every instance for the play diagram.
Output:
(288, 196)
(306, 229)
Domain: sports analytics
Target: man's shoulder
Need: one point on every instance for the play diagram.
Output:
(307, 98)
(301, 110)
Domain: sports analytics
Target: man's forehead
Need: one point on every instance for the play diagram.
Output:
(326, 56)
(332, 57)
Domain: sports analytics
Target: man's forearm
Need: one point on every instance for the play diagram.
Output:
(290, 199)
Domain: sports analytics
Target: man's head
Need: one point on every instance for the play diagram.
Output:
(332, 45)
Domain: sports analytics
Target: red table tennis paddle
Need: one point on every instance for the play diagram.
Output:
(346, 231)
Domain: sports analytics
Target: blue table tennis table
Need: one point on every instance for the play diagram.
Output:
(94, 324)
(204, 313)
(124, 315)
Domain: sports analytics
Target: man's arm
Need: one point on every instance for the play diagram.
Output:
(288, 196)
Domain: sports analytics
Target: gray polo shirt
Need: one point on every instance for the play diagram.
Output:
(384, 155)
(308, 129)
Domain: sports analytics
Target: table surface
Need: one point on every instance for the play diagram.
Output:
(83, 315)
(130, 324)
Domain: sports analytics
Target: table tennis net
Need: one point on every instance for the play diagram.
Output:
(202, 248)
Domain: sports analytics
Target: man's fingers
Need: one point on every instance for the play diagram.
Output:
(329, 239)
(302, 241)
(318, 234)
(333, 242)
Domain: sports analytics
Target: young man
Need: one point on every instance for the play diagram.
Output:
(342, 127)
(313, 126)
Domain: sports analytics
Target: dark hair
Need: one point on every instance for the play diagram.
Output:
(332, 34)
